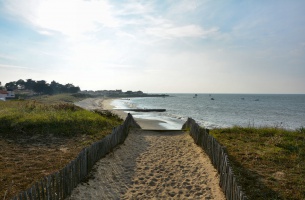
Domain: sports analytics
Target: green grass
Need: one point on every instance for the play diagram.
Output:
(61, 119)
(268, 162)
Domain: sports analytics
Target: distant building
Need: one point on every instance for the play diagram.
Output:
(20, 87)
(113, 93)
(6, 94)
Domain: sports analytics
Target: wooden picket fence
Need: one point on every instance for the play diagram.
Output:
(59, 185)
(219, 159)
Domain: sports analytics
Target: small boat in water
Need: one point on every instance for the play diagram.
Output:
(195, 96)
(212, 98)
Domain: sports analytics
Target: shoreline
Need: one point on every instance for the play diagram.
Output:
(105, 104)
(144, 123)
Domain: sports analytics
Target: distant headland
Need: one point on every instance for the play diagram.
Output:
(119, 93)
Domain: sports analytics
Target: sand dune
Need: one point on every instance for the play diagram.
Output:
(91, 103)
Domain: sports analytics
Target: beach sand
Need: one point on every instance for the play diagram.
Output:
(152, 165)
(105, 104)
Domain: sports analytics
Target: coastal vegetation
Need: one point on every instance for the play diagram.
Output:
(269, 162)
(40, 136)
(62, 119)
(42, 87)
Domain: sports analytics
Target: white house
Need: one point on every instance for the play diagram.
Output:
(3, 95)
(6, 94)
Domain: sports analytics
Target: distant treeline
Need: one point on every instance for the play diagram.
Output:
(42, 87)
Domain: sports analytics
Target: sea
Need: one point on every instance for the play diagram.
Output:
(221, 110)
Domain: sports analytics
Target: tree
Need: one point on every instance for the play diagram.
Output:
(20, 82)
(70, 88)
(74, 89)
(56, 87)
(29, 84)
(11, 85)
(1, 87)
(42, 87)
(48, 90)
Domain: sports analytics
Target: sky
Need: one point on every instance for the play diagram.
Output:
(156, 46)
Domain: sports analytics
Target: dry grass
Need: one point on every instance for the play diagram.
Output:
(37, 139)
(25, 160)
(269, 162)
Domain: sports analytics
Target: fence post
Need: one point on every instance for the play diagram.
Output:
(218, 157)
(60, 185)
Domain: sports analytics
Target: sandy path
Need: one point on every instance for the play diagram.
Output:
(153, 165)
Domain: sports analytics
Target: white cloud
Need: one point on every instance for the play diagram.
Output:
(6, 57)
(126, 35)
(76, 18)
(184, 6)
(170, 31)
(135, 8)
(44, 32)
(13, 66)
(69, 17)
